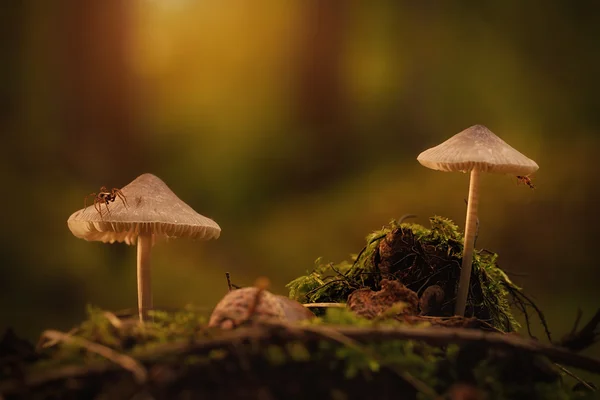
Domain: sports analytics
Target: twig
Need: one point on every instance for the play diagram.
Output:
(405, 217)
(44, 344)
(257, 333)
(125, 361)
(578, 379)
(327, 305)
(588, 335)
(113, 319)
(323, 286)
(519, 274)
(430, 335)
(517, 294)
(577, 320)
(523, 307)
(360, 253)
(343, 275)
(228, 281)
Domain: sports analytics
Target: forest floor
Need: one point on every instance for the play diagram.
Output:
(379, 326)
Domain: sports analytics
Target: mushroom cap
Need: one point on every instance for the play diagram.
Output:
(477, 147)
(152, 208)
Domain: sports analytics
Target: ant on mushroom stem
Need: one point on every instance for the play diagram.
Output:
(525, 180)
(105, 197)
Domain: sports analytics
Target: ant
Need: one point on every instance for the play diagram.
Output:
(525, 180)
(105, 197)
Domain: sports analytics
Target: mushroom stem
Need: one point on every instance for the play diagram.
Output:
(144, 246)
(470, 232)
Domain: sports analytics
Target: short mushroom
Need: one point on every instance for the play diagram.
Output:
(476, 149)
(153, 211)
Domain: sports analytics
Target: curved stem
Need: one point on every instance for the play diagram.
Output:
(470, 232)
(144, 247)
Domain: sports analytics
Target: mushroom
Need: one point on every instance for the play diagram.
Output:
(152, 212)
(476, 149)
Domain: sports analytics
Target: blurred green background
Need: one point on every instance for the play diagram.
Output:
(296, 126)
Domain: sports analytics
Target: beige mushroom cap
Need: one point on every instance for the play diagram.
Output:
(477, 147)
(152, 209)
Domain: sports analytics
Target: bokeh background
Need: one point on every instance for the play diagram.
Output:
(296, 126)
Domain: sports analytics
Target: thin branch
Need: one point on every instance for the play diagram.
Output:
(124, 361)
(578, 379)
(113, 319)
(365, 248)
(577, 320)
(587, 336)
(517, 294)
(228, 281)
(430, 335)
(44, 344)
(442, 336)
(326, 305)
(310, 292)
(265, 331)
(343, 275)
(405, 217)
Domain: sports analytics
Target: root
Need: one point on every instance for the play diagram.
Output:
(522, 301)
(587, 336)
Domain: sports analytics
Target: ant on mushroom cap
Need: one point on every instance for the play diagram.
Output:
(525, 180)
(105, 197)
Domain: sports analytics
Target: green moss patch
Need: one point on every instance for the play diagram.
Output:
(418, 257)
(338, 355)
(182, 358)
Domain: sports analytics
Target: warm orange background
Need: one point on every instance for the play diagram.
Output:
(295, 125)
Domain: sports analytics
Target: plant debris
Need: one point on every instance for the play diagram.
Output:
(385, 330)
(587, 336)
(179, 356)
(419, 258)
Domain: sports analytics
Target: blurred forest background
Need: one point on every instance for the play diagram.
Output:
(296, 126)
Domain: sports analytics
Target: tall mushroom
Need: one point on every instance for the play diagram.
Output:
(476, 149)
(153, 211)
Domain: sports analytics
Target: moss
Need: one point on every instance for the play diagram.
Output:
(297, 351)
(275, 354)
(312, 365)
(303, 366)
(419, 257)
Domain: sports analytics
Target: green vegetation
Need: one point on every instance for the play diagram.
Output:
(419, 257)
(177, 355)
(180, 356)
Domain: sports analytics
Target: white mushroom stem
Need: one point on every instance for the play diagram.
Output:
(470, 232)
(144, 247)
